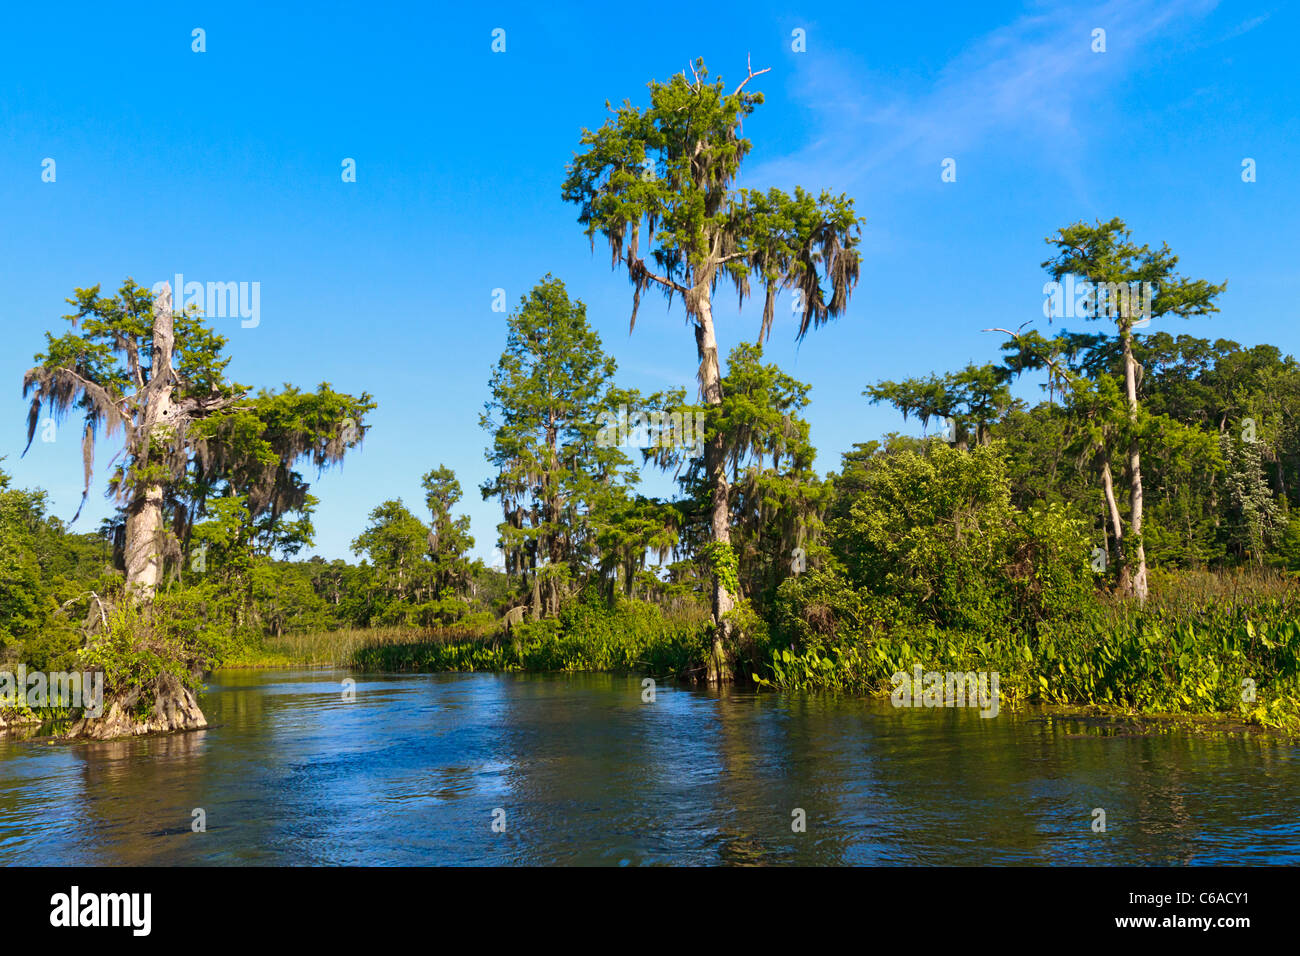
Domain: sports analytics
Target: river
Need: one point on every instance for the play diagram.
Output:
(490, 769)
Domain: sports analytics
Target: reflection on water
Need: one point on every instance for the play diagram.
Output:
(411, 771)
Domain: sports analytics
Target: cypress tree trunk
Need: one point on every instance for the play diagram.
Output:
(1136, 563)
(719, 663)
(143, 543)
(1117, 524)
(144, 521)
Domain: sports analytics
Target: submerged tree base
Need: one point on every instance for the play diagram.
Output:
(174, 708)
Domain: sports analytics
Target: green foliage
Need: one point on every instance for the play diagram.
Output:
(588, 634)
(721, 560)
(1105, 254)
(556, 480)
(663, 174)
(136, 649)
(42, 569)
(1215, 658)
(934, 537)
(777, 500)
(973, 399)
(189, 434)
(1254, 516)
(417, 575)
(252, 449)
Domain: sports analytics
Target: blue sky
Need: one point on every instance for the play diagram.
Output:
(225, 166)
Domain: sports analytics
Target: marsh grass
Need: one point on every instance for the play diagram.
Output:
(337, 648)
(1192, 592)
(1205, 644)
(632, 637)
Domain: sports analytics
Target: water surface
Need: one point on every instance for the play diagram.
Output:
(415, 769)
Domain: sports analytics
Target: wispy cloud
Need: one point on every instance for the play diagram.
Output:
(1246, 26)
(1025, 81)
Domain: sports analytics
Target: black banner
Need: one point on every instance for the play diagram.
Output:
(345, 905)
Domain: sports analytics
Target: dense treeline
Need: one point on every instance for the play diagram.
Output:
(1128, 536)
(232, 589)
(995, 536)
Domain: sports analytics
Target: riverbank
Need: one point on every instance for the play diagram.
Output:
(1231, 659)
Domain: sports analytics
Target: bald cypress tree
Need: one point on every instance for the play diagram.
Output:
(656, 182)
(548, 391)
(133, 367)
(1128, 285)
